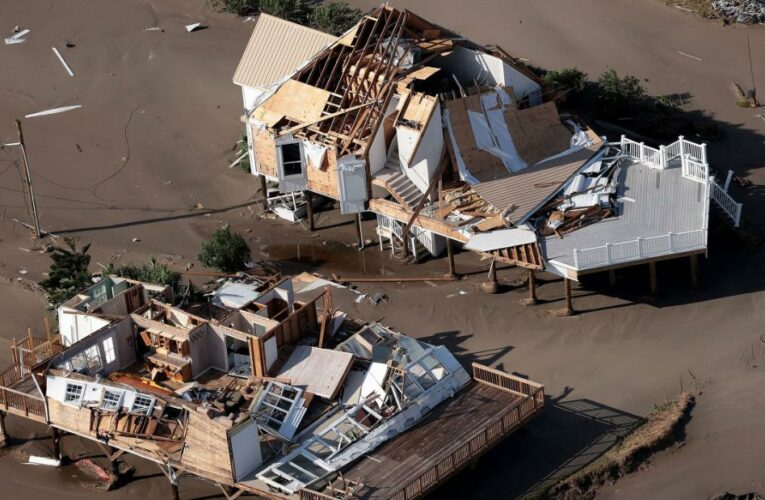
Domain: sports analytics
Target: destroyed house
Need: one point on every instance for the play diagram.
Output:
(282, 397)
(449, 141)
(109, 299)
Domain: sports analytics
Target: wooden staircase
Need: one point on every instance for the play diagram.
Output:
(396, 183)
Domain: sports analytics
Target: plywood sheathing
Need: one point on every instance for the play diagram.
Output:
(419, 109)
(318, 371)
(482, 165)
(265, 152)
(537, 132)
(295, 100)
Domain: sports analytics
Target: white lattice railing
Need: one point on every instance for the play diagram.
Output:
(639, 248)
(694, 170)
(725, 201)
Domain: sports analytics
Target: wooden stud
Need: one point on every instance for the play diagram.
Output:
(695, 271)
(532, 288)
(654, 280)
(309, 207)
(450, 255)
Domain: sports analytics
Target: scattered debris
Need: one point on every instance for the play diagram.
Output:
(69, 45)
(63, 62)
(154, 28)
(50, 462)
(195, 27)
(689, 56)
(53, 111)
(18, 37)
(135, 240)
(238, 160)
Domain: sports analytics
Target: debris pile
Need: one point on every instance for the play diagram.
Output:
(741, 11)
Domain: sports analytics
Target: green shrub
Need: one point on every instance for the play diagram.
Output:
(150, 272)
(243, 149)
(239, 7)
(225, 251)
(68, 272)
(297, 11)
(570, 80)
(620, 93)
(335, 17)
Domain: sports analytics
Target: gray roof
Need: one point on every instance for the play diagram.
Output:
(276, 49)
(522, 192)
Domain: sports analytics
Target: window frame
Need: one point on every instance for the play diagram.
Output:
(284, 163)
(142, 409)
(109, 351)
(78, 401)
(113, 405)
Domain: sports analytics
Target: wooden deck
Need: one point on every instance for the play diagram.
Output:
(455, 434)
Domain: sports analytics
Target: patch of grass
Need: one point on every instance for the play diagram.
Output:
(663, 427)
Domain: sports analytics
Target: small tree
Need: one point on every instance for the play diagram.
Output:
(225, 251)
(620, 92)
(297, 11)
(68, 272)
(335, 17)
(570, 80)
(150, 272)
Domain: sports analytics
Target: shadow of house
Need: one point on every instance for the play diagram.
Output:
(453, 341)
(566, 437)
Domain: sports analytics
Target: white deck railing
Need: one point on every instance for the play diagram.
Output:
(693, 157)
(640, 248)
(725, 201)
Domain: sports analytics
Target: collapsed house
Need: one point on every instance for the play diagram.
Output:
(447, 140)
(274, 392)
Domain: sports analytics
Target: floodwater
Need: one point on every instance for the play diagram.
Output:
(329, 256)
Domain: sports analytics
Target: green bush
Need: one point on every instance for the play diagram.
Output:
(570, 80)
(335, 17)
(297, 11)
(620, 93)
(243, 149)
(68, 272)
(150, 272)
(225, 251)
(239, 7)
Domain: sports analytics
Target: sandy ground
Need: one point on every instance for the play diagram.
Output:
(155, 135)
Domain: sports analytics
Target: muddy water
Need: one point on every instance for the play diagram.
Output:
(330, 257)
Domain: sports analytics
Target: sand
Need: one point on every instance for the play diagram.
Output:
(155, 136)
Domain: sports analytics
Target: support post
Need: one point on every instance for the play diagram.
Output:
(654, 280)
(727, 180)
(493, 271)
(3, 432)
(176, 494)
(309, 208)
(56, 434)
(359, 236)
(695, 271)
(568, 310)
(450, 255)
(532, 288)
(264, 190)
(612, 278)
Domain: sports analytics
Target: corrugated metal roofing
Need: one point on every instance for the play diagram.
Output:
(276, 49)
(523, 191)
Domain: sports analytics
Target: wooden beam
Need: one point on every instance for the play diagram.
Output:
(326, 314)
(323, 118)
(401, 214)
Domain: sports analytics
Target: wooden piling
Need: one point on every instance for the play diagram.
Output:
(695, 271)
(309, 207)
(264, 190)
(612, 278)
(359, 236)
(654, 279)
(450, 255)
(532, 288)
(568, 310)
(3, 432)
(56, 434)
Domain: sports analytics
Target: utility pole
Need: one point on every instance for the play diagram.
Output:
(28, 180)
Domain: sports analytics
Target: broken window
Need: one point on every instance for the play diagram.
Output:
(109, 350)
(279, 409)
(292, 161)
(111, 400)
(74, 392)
(142, 404)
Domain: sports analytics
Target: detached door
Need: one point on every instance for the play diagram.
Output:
(292, 165)
(352, 179)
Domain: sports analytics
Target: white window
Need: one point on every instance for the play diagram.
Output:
(292, 160)
(73, 394)
(109, 350)
(142, 404)
(111, 399)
